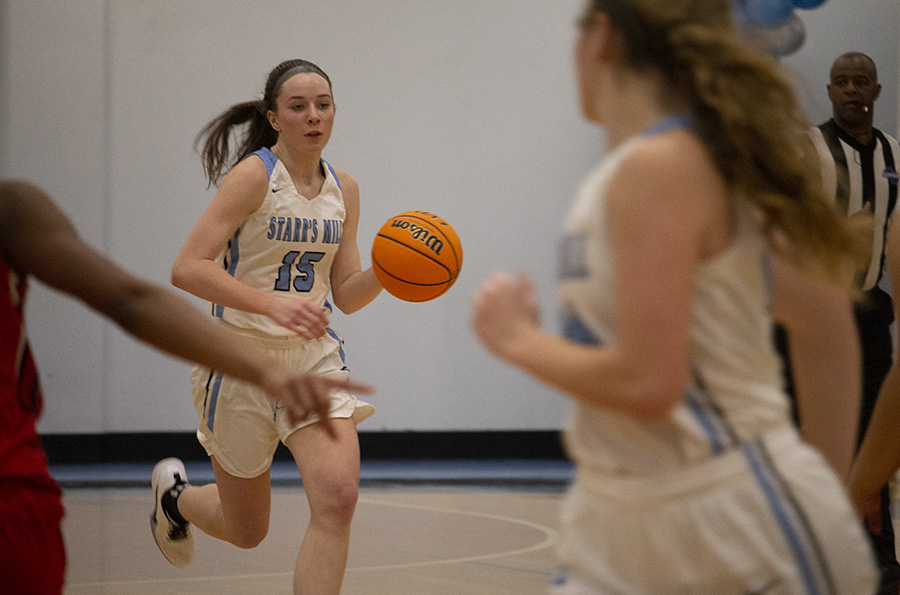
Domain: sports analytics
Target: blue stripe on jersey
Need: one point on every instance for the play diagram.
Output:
(234, 253)
(781, 507)
(573, 257)
(575, 330)
(213, 400)
(268, 157)
(668, 123)
(707, 419)
(331, 169)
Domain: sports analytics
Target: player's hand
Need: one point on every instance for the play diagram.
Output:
(869, 508)
(865, 212)
(866, 502)
(297, 315)
(504, 310)
(305, 394)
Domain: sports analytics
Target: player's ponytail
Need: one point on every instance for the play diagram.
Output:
(214, 140)
(746, 113)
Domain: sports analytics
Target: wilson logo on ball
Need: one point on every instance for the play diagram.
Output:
(420, 233)
(416, 256)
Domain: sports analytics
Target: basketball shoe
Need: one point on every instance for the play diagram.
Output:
(172, 533)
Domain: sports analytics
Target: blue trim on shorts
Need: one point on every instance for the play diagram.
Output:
(764, 477)
(334, 335)
(213, 400)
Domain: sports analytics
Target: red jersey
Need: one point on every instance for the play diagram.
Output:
(22, 457)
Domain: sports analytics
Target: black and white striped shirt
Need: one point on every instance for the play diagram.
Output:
(854, 174)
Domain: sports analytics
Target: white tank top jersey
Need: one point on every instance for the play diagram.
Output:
(736, 392)
(287, 246)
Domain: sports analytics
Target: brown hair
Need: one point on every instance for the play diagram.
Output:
(747, 115)
(214, 141)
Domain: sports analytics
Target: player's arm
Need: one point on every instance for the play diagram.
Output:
(37, 239)
(196, 271)
(879, 455)
(657, 207)
(825, 360)
(351, 287)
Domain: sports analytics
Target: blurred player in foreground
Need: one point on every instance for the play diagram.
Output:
(698, 229)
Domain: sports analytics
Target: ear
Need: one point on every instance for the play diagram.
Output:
(877, 92)
(273, 120)
(602, 40)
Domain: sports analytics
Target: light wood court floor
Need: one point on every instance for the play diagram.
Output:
(415, 540)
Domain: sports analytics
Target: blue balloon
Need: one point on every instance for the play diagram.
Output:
(779, 41)
(766, 13)
(808, 4)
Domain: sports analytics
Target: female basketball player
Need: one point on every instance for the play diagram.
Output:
(35, 240)
(279, 235)
(698, 229)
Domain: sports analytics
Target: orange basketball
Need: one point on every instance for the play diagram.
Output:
(416, 256)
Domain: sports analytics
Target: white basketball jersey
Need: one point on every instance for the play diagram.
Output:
(287, 246)
(737, 385)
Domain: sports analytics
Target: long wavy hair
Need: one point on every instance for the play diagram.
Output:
(746, 113)
(249, 118)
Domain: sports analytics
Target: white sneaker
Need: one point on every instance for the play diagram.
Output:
(174, 539)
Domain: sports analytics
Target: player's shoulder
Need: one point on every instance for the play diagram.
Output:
(345, 180)
(250, 172)
(678, 155)
(20, 199)
(668, 173)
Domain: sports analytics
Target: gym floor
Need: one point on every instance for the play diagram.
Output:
(421, 527)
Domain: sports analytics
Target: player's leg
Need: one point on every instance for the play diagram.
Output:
(233, 509)
(330, 471)
(236, 507)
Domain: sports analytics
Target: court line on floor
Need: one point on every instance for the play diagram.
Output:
(550, 539)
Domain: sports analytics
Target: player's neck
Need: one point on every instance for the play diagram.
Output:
(636, 103)
(302, 166)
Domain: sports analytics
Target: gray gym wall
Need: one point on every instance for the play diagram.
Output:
(464, 108)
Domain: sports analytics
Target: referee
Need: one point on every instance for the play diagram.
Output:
(859, 166)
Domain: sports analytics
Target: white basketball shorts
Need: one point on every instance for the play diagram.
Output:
(241, 426)
(768, 518)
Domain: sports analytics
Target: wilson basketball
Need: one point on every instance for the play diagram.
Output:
(416, 256)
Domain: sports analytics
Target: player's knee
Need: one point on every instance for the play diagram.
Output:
(341, 502)
(249, 537)
(345, 499)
